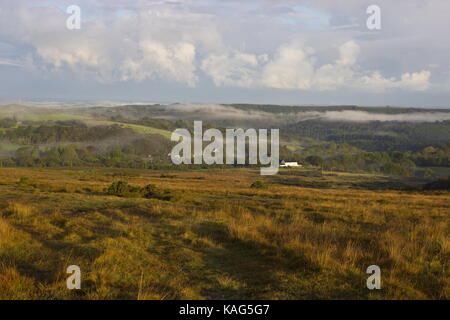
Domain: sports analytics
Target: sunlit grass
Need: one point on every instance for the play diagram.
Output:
(135, 127)
(222, 239)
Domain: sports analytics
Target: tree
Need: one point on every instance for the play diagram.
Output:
(314, 160)
(24, 157)
(69, 156)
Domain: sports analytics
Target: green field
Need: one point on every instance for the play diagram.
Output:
(135, 127)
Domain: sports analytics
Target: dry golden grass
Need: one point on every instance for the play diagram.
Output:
(222, 239)
(18, 209)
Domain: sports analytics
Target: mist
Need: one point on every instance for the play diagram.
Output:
(222, 113)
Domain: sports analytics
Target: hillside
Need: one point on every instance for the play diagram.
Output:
(307, 236)
(386, 140)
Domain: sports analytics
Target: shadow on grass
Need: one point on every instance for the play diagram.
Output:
(380, 185)
(253, 266)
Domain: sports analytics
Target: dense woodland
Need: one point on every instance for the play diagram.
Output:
(376, 135)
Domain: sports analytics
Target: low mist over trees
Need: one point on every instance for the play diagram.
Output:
(118, 137)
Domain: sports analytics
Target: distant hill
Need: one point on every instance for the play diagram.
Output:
(387, 140)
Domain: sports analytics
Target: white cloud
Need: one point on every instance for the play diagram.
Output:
(349, 53)
(133, 47)
(341, 73)
(155, 59)
(293, 67)
(417, 81)
(175, 41)
(238, 69)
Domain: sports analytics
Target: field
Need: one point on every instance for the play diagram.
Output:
(307, 235)
(134, 127)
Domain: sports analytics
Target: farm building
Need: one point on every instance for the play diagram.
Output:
(287, 164)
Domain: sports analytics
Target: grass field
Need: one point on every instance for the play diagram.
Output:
(306, 236)
(136, 127)
(45, 115)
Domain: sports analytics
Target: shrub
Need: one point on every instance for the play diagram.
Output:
(151, 191)
(123, 189)
(314, 160)
(23, 181)
(259, 185)
(169, 176)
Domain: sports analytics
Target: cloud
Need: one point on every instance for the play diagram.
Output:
(284, 51)
(294, 67)
(11, 63)
(417, 81)
(341, 73)
(349, 53)
(175, 62)
(148, 44)
(236, 69)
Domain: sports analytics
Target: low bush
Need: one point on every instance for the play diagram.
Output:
(259, 185)
(150, 191)
(123, 189)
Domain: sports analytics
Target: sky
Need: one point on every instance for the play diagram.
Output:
(227, 51)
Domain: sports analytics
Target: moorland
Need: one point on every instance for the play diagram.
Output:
(94, 187)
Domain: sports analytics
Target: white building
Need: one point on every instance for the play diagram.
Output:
(286, 164)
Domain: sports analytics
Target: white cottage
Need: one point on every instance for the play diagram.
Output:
(287, 164)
